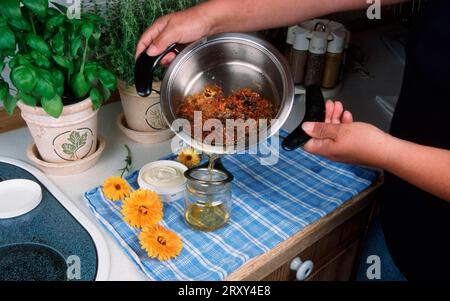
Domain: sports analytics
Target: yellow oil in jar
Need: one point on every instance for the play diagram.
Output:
(207, 216)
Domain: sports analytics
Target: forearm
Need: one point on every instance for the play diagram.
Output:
(425, 167)
(252, 15)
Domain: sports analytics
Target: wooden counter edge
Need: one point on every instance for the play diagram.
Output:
(261, 266)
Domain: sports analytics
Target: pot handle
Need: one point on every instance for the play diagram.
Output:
(144, 68)
(314, 111)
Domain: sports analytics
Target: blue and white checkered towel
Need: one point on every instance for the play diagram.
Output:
(270, 204)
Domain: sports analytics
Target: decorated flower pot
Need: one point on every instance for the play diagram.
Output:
(142, 114)
(71, 137)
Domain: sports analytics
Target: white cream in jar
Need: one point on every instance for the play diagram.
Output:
(165, 177)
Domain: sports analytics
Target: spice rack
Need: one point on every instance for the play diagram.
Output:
(316, 52)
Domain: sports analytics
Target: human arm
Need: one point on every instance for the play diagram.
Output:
(217, 16)
(341, 139)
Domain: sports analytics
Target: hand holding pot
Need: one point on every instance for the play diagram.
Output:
(181, 27)
(341, 139)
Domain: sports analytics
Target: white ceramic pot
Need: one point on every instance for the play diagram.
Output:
(71, 137)
(142, 114)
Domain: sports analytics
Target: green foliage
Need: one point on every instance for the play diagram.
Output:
(127, 20)
(51, 56)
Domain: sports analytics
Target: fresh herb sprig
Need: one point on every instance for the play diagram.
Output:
(127, 20)
(128, 162)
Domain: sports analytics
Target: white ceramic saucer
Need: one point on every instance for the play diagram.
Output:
(143, 137)
(18, 197)
(66, 168)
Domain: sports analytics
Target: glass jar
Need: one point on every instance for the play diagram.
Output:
(208, 198)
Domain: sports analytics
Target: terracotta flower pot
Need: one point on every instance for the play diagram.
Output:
(142, 114)
(71, 137)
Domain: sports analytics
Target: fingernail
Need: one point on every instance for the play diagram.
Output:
(152, 50)
(308, 127)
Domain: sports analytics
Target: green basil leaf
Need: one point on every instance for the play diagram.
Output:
(4, 90)
(64, 62)
(58, 79)
(7, 38)
(75, 45)
(37, 43)
(53, 106)
(10, 9)
(80, 87)
(58, 43)
(45, 87)
(41, 60)
(24, 78)
(87, 28)
(96, 98)
(38, 7)
(20, 60)
(91, 75)
(108, 79)
(27, 99)
(10, 104)
(20, 23)
(54, 22)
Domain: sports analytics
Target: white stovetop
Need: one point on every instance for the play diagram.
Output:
(358, 95)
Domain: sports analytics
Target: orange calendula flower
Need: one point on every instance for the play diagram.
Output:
(116, 188)
(160, 242)
(142, 208)
(189, 157)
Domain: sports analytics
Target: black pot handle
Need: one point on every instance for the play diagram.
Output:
(144, 68)
(314, 112)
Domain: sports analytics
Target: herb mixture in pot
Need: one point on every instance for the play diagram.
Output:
(243, 104)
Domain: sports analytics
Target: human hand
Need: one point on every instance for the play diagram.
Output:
(180, 27)
(341, 139)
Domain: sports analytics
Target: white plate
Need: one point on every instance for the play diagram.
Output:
(18, 197)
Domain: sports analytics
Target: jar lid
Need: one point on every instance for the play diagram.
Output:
(290, 38)
(319, 42)
(301, 39)
(337, 44)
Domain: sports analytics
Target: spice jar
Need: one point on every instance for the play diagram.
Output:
(299, 55)
(207, 198)
(316, 58)
(333, 60)
(290, 38)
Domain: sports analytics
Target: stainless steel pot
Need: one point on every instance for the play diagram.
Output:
(232, 61)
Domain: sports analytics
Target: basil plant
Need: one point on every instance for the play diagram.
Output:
(52, 57)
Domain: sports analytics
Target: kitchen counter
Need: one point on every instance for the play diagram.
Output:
(358, 95)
